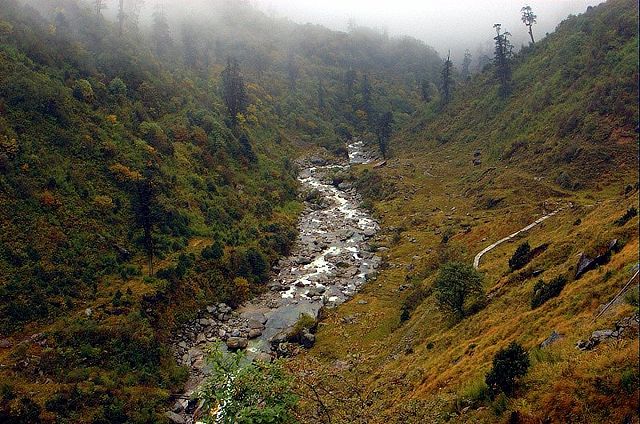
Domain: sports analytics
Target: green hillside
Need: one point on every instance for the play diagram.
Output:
(129, 200)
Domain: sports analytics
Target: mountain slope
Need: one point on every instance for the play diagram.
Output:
(573, 111)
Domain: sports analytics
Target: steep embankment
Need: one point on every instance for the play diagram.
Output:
(465, 178)
(129, 199)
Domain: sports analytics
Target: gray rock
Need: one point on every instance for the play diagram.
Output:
(235, 343)
(211, 309)
(254, 333)
(263, 357)
(602, 334)
(554, 337)
(175, 418)
(255, 324)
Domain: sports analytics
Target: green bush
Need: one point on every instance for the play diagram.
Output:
(543, 292)
(457, 284)
(520, 257)
(509, 365)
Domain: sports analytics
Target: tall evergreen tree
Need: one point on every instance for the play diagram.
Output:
(233, 90)
(189, 48)
(146, 213)
(466, 65)
(367, 102)
(293, 71)
(161, 33)
(529, 19)
(425, 91)
(502, 59)
(350, 81)
(447, 81)
(322, 93)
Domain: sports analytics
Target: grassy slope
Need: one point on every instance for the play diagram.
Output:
(425, 369)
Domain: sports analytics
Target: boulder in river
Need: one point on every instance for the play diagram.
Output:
(175, 418)
(236, 343)
(254, 333)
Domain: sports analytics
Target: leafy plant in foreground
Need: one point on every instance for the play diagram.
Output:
(241, 391)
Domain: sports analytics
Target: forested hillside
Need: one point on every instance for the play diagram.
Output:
(542, 330)
(130, 197)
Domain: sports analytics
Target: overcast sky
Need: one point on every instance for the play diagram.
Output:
(444, 24)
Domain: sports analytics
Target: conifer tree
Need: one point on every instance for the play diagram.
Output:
(502, 60)
(447, 81)
(233, 90)
(384, 130)
(161, 33)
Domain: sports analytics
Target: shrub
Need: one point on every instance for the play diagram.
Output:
(543, 292)
(252, 392)
(455, 285)
(631, 213)
(117, 87)
(413, 300)
(82, 90)
(520, 257)
(509, 364)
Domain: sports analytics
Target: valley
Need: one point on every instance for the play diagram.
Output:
(210, 213)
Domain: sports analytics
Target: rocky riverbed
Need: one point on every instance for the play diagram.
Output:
(331, 260)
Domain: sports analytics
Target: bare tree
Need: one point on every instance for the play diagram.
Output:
(529, 18)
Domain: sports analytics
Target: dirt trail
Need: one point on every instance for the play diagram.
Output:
(476, 260)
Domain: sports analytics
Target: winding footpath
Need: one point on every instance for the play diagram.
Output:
(329, 263)
(476, 260)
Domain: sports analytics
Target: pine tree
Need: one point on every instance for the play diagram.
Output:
(233, 90)
(425, 91)
(161, 33)
(322, 92)
(502, 60)
(447, 81)
(366, 91)
(384, 130)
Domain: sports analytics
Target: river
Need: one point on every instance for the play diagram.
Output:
(330, 261)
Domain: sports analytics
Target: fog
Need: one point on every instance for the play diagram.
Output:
(443, 24)
(446, 25)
